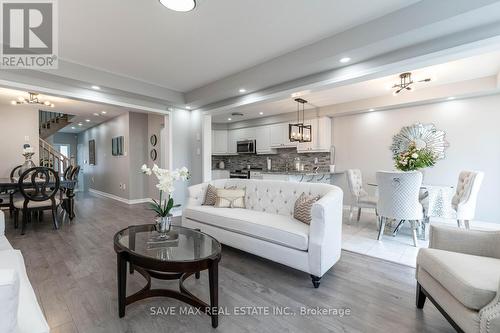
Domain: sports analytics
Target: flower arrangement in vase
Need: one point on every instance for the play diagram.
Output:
(414, 158)
(165, 204)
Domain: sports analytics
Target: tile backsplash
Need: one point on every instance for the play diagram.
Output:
(279, 161)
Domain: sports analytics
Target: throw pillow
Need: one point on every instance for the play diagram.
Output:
(234, 198)
(303, 207)
(211, 195)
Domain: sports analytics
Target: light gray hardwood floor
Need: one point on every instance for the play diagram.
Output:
(73, 272)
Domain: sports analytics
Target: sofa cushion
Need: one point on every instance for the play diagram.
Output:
(472, 280)
(29, 312)
(303, 207)
(9, 299)
(230, 198)
(278, 229)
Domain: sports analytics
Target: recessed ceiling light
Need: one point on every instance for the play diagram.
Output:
(87, 120)
(261, 113)
(371, 110)
(73, 127)
(13, 103)
(103, 112)
(179, 5)
(96, 87)
(170, 109)
(345, 59)
(242, 90)
(450, 98)
(80, 124)
(96, 114)
(229, 119)
(188, 107)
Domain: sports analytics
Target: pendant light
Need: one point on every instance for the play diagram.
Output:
(298, 132)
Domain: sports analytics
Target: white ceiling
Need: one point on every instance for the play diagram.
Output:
(82, 111)
(455, 71)
(182, 51)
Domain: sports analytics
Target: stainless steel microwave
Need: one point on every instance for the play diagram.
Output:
(245, 147)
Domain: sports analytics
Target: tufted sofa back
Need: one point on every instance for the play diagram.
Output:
(468, 186)
(272, 196)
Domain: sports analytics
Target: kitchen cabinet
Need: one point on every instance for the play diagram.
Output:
(256, 175)
(219, 142)
(321, 140)
(263, 140)
(279, 136)
(282, 176)
(233, 137)
(220, 174)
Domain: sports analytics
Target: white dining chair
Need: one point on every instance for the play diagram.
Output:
(465, 198)
(359, 197)
(399, 200)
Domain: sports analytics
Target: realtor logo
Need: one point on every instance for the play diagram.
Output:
(29, 34)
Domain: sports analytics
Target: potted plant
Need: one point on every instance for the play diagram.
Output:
(414, 158)
(165, 204)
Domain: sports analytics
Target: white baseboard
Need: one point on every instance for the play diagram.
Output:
(117, 198)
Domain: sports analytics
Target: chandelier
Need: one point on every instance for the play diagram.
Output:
(32, 99)
(299, 132)
(406, 83)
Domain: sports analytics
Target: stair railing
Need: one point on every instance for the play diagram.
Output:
(51, 158)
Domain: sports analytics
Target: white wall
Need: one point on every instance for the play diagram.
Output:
(17, 123)
(472, 129)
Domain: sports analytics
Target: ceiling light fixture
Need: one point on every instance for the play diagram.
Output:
(406, 83)
(179, 5)
(242, 90)
(229, 119)
(450, 98)
(80, 124)
(188, 107)
(32, 99)
(96, 87)
(261, 113)
(103, 112)
(371, 110)
(96, 114)
(299, 132)
(345, 60)
(87, 120)
(73, 127)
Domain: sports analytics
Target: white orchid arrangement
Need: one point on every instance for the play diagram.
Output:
(166, 179)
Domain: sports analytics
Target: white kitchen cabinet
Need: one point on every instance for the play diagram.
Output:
(256, 175)
(220, 174)
(219, 142)
(279, 136)
(321, 140)
(233, 138)
(263, 140)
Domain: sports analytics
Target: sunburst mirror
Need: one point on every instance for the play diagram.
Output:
(424, 136)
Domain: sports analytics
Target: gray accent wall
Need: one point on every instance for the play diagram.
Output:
(17, 123)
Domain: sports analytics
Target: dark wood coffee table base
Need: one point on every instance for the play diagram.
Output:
(182, 295)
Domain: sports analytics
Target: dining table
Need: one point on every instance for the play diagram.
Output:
(66, 185)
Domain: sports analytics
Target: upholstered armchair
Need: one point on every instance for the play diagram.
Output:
(460, 274)
(359, 197)
(465, 198)
(399, 200)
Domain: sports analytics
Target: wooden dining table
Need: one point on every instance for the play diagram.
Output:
(68, 203)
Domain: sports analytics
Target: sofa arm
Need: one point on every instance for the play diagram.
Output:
(2, 223)
(325, 232)
(474, 242)
(489, 316)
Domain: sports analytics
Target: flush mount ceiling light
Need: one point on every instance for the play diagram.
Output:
(406, 83)
(242, 90)
(179, 5)
(345, 60)
(32, 99)
(299, 132)
(96, 87)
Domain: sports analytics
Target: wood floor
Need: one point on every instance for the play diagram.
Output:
(73, 272)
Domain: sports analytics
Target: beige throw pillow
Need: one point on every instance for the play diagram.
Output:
(303, 207)
(211, 195)
(234, 198)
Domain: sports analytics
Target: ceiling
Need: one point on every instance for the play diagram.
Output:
(461, 70)
(183, 51)
(82, 111)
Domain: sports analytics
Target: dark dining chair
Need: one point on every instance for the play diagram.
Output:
(7, 199)
(67, 171)
(65, 202)
(38, 187)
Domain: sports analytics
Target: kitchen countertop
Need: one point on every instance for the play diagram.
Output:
(301, 173)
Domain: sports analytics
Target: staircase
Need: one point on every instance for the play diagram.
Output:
(51, 122)
(50, 157)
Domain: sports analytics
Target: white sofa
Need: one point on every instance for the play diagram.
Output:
(19, 309)
(267, 228)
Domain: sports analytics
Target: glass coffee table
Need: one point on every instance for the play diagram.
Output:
(184, 253)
